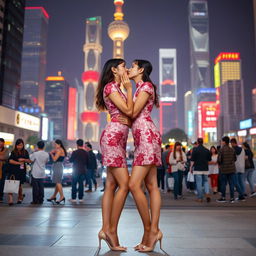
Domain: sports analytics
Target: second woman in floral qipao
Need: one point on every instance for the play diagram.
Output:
(147, 154)
(113, 146)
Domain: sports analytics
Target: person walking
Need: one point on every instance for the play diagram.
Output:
(165, 164)
(161, 174)
(214, 169)
(91, 167)
(18, 161)
(79, 158)
(58, 156)
(4, 155)
(199, 161)
(39, 160)
(177, 161)
(240, 169)
(227, 167)
(249, 167)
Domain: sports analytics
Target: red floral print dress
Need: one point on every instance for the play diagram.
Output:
(147, 138)
(114, 137)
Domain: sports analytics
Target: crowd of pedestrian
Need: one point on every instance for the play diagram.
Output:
(207, 172)
(14, 166)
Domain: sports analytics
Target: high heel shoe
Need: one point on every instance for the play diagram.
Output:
(51, 199)
(138, 247)
(21, 200)
(62, 200)
(159, 238)
(103, 235)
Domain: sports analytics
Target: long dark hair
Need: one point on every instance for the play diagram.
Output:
(175, 149)
(147, 66)
(59, 142)
(215, 149)
(16, 151)
(106, 77)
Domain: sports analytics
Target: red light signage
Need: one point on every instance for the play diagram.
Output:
(71, 113)
(207, 117)
(227, 56)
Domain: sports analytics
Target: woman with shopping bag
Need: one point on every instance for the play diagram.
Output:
(18, 160)
(177, 160)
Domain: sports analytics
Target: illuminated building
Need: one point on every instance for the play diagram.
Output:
(254, 101)
(118, 30)
(168, 89)
(56, 104)
(207, 121)
(34, 58)
(2, 4)
(189, 122)
(199, 52)
(92, 52)
(12, 24)
(229, 91)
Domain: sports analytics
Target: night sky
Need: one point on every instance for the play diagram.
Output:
(153, 25)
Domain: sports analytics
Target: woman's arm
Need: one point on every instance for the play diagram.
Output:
(11, 161)
(172, 160)
(115, 97)
(140, 103)
(55, 156)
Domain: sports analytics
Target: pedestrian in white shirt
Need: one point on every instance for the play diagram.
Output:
(177, 161)
(39, 159)
(214, 169)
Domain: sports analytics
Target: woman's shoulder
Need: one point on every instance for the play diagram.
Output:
(110, 88)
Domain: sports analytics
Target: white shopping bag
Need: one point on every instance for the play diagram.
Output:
(190, 177)
(11, 185)
(170, 183)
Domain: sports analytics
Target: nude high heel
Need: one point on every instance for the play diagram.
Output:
(159, 238)
(103, 236)
(138, 247)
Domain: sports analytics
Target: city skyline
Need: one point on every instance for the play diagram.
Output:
(235, 21)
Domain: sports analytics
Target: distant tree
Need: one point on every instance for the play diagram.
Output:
(32, 140)
(177, 134)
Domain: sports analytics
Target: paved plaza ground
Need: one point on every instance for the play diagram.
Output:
(189, 228)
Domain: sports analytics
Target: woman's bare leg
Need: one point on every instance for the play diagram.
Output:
(135, 185)
(155, 204)
(60, 190)
(107, 201)
(121, 176)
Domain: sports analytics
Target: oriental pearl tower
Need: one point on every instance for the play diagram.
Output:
(118, 30)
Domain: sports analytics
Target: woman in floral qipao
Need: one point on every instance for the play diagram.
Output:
(113, 146)
(147, 154)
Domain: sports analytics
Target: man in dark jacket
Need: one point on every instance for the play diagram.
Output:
(227, 167)
(199, 161)
(92, 167)
(79, 158)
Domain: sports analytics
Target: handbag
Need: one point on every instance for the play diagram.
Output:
(190, 177)
(11, 185)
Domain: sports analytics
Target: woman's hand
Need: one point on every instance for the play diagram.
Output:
(125, 120)
(126, 81)
(22, 160)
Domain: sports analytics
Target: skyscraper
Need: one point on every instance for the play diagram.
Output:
(2, 5)
(56, 104)
(12, 35)
(229, 91)
(188, 114)
(118, 30)
(34, 58)
(168, 89)
(199, 44)
(199, 53)
(92, 64)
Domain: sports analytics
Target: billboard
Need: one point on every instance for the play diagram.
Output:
(207, 120)
(72, 117)
(168, 75)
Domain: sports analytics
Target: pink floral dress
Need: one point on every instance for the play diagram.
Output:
(114, 137)
(147, 138)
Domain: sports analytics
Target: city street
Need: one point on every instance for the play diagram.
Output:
(189, 228)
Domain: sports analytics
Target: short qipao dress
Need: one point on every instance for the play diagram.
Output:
(114, 137)
(147, 138)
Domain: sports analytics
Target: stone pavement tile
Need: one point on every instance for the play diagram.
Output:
(218, 233)
(252, 241)
(59, 223)
(29, 240)
(233, 252)
(208, 243)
